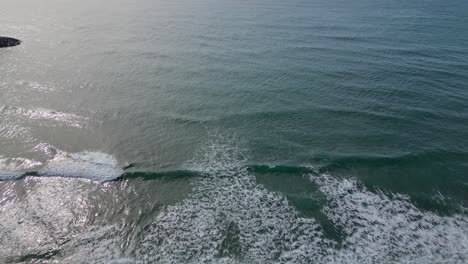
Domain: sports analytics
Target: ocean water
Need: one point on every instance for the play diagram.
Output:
(262, 131)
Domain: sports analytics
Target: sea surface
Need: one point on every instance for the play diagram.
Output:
(234, 131)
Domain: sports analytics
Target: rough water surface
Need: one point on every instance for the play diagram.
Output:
(219, 131)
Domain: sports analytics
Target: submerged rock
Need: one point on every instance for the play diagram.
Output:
(8, 42)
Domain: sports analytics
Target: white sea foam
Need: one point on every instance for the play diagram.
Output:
(36, 86)
(96, 166)
(229, 218)
(47, 149)
(11, 168)
(92, 165)
(43, 114)
(382, 228)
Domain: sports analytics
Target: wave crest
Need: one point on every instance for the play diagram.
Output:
(230, 218)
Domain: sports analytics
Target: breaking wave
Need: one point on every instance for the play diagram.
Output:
(230, 218)
(96, 166)
(11, 168)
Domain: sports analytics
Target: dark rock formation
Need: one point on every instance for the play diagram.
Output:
(8, 42)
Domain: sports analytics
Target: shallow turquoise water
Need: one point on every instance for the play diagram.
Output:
(234, 131)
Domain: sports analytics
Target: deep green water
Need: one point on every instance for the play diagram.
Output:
(203, 131)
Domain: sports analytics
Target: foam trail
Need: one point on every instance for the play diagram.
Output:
(381, 228)
(43, 114)
(230, 218)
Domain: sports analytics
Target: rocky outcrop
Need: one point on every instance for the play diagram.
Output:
(8, 42)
